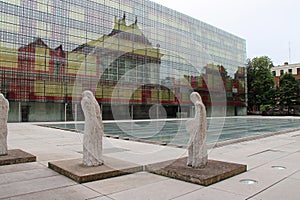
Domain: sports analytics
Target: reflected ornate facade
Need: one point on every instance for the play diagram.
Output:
(52, 50)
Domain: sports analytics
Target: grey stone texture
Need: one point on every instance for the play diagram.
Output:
(4, 106)
(197, 127)
(93, 130)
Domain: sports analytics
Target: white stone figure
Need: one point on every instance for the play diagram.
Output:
(197, 127)
(93, 130)
(4, 106)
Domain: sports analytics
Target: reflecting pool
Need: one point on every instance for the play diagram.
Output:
(174, 131)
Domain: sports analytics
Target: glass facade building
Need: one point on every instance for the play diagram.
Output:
(139, 58)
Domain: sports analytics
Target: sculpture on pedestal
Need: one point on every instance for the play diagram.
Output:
(93, 130)
(197, 127)
(4, 106)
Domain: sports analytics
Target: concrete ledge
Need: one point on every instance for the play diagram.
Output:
(16, 156)
(75, 170)
(215, 171)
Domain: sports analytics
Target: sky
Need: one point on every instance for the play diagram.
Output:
(270, 27)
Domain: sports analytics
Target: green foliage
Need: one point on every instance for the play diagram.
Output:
(260, 82)
(288, 90)
(265, 107)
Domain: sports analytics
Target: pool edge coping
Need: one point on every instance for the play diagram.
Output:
(209, 145)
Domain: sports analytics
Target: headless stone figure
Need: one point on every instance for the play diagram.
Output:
(93, 130)
(4, 105)
(197, 127)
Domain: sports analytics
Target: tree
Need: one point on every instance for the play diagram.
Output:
(260, 82)
(288, 91)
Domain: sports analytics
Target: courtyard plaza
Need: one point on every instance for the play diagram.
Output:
(273, 168)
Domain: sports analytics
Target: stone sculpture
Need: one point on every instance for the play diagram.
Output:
(93, 130)
(197, 127)
(4, 106)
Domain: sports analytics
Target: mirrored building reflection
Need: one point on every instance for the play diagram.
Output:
(140, 59)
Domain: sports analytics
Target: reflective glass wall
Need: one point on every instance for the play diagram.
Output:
(139, 58)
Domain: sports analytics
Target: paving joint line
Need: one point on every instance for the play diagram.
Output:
(187, 193)
(87, 187)
(122, 190)
(19, 195)
(271, 161)
(252, 196)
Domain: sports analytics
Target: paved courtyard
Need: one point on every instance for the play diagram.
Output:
(37, 181)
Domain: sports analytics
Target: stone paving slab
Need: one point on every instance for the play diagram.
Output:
(25, 175)
(74, 192)
(34, 185)
(263, 180)
(162, 190)
(296, 175)
(126, 182)
(215, 171)
(20, 167)
(16, 156)
(208, 193)
(286, 189)
(75, 170)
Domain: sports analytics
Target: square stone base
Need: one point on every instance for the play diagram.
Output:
(75, 170)
(215, 171)
(16, 156)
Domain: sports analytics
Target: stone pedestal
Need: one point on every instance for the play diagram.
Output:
(214, 171)
(16, 156)
(75, 169)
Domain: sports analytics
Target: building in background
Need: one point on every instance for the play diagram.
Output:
(136, 56)
(279, 70)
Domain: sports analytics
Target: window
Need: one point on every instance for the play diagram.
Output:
(290, 71)
(56, 67)
(281, 72)
(274, 73)
(298, 71)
